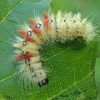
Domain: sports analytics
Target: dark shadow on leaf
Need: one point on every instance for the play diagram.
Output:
(78, 44)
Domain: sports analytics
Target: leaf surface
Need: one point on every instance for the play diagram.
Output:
(70, 67)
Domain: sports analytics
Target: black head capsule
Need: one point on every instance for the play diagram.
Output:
(43, 82)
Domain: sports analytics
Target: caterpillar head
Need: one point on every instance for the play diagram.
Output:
(41, 77)
(43, 82)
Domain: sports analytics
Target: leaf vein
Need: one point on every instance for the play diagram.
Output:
(11, 11)
(71, 85)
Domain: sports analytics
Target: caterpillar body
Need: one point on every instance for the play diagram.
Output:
(62, 25)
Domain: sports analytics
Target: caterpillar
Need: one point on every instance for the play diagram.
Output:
(61, 26)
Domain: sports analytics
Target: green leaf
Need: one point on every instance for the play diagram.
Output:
(70, 70)
(97, 69)
(98, 47)
(6, 7)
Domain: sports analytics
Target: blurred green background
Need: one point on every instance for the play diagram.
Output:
(89, 9)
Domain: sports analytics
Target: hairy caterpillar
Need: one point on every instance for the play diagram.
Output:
(62, 25)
